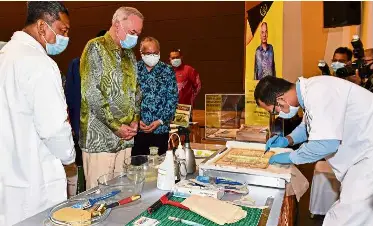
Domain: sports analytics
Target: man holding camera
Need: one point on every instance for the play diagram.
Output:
(343, 56)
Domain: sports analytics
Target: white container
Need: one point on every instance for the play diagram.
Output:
(166, 173)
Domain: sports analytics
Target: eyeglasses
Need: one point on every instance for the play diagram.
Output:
(275, 103)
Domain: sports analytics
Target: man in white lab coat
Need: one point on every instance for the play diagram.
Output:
(338, 126)
(35, 133)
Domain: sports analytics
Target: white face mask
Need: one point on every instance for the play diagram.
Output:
(176, 62)
(292, 112)
(151, 60)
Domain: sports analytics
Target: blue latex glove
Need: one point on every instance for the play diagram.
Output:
(276, 142)
(282, 158)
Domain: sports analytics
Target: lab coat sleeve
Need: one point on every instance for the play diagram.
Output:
(50, 116)
(299, 134)
(325, 108)
(313, 151)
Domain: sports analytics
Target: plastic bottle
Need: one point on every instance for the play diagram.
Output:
(153, 162)
(181, 159)
(166, 172)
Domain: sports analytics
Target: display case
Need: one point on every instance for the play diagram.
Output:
(224, 115)
(225, 120)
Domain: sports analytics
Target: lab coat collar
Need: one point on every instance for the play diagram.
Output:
(299, 93)
(28, 39)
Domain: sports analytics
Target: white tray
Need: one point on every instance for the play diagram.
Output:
(276, 171)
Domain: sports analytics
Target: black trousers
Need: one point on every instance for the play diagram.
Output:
(145, 140)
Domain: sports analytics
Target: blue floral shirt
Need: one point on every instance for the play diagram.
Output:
(159, 95)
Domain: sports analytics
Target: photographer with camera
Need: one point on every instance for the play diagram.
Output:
(360, 71)
(342, 57)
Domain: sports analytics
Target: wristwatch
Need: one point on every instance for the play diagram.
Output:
(160, 121)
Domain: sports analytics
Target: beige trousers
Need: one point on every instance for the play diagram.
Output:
(98, 164)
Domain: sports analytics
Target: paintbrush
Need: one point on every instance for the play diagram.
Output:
(98, 210)
(269, 148)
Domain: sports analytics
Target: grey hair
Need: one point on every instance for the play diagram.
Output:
(124, 12)
(149, 39)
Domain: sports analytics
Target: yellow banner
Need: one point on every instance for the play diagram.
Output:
(213, 111)
(264, 52)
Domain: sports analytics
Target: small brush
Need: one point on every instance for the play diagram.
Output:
(92, 201)
(101, 208)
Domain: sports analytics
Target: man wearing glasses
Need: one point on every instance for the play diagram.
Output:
(337, 126)
(110, 106)
(159, 99)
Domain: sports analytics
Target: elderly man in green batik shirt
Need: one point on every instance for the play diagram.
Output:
(111, 98)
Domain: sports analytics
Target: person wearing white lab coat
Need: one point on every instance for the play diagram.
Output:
(338, 126)
(35, 133)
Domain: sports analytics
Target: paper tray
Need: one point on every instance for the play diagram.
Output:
(274, 171)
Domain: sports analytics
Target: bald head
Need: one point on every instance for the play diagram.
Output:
(150, 43)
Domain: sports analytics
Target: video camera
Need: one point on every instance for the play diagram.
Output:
(359, 64)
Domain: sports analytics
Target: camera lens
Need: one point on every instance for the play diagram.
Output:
(345, 72)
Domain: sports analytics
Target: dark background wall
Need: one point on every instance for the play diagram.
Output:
(210, 34)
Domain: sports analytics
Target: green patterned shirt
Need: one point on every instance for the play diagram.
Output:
(110, 95)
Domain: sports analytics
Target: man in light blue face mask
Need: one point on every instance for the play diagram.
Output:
(110, 96)
(52, 35)
(37, 141)
(343, 56)
(336, 126)
(284, 99)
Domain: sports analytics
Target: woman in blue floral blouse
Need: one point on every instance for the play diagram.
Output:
(159, 99)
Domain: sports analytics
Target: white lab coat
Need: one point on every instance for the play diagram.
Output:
(35, 134)
(338, 109)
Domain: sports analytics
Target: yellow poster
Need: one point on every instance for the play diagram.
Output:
(213, 110)
(263, 53)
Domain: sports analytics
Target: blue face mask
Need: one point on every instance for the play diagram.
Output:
(337, 65)
(129, 42)
(59, 46)
(292, 112)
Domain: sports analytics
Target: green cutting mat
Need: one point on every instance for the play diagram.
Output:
(162, 214)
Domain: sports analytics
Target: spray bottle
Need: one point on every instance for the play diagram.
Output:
(181, 162)
(189, 154)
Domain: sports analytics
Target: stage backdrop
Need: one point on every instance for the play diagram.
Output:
(263, 53)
